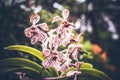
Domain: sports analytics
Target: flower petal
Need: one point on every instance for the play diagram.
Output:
(56, 18)
(34, 39)
(34, 18)
(71, 48)
(70, 29)
(57, 66)
(64, 68)
(60, 29)
(43, 26)
(66, 65)
(46, 53)
(78, 64)
(42, 36)
(61, 58)
(27, 32)
(48, 62)
(75, 55)
(56, 42)
(65, 13)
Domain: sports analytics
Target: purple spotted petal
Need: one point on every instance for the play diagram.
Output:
(60, 29)
(34, 39)
(46, 53)
(27, 32)
(57, 66)
(70, 29)
(65, 13)
(75, 55)
(78, 64)
(43, 26)
(56, 42)
(66, 66)
(34, 18)
(65, 42)
(55, 19)
(42, 36)
(71, 48)
(48, 62)
(61, 57)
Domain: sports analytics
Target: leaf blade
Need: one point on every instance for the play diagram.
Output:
(95, 72)
(86, 65)
(15, 62)
(29, 71)
(21, 62)
(27, 49)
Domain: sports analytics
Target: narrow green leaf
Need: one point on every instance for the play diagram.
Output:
(83, 65)
(29, 71)
(27, 49)
(86, 65)
(53, 72)
(15, 62)
(95, 72)
(87, 69)
(21, 62)
(45, 74)
(87, 78)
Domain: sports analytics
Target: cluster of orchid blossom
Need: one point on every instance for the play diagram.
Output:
(51, 40)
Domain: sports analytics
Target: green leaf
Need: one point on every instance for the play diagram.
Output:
(87, 46)
(45, 74)
(15, 62)
(21, 62)
(27, 49)
(87, 69)
(88, 78)
(29, 71)
(94, 72)
(53, 72)
(86, 65)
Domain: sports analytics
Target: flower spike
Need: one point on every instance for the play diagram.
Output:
(62, 36)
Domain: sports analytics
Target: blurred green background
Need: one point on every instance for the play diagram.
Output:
(99, 19)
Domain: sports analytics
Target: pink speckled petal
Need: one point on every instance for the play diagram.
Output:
(42, 36)
(65, 13)
(34, 39)
(27, 32)
(57, 66)
(46, 53)
(48, 62)
(43, 26)
(71, 48)
(75, 55)
(34, 18)
(61, 57)
(55, 19)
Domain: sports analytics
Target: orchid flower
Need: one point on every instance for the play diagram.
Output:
(34, 32)
(58, 60)
(65, 24)
(55, 59)
(65, 15)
